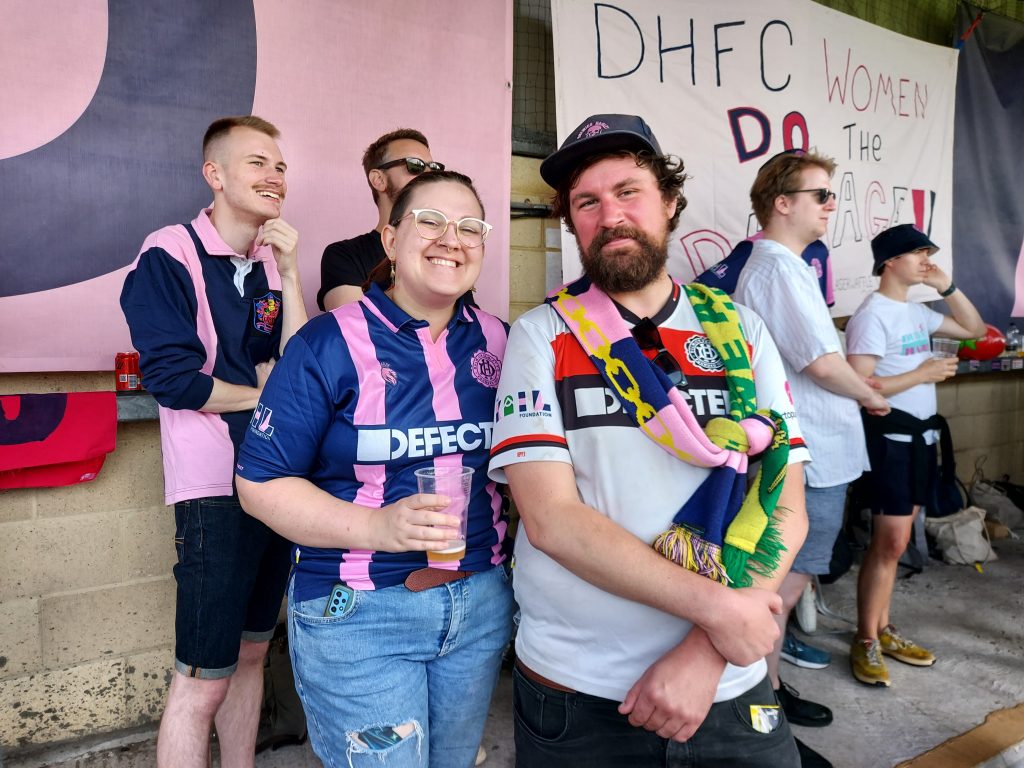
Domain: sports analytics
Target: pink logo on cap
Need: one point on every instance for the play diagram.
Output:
(592, 129)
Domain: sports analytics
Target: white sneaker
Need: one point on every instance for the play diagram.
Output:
(806, 611)
(481, 755)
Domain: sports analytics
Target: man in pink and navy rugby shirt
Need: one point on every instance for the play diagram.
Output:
(210, 306)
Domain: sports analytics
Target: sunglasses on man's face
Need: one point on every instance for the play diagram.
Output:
(824, 194)
(647, 336)
(413, 165)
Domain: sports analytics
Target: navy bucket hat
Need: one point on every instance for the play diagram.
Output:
(896, 241)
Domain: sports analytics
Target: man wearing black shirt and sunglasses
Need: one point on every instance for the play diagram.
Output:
(390, 163)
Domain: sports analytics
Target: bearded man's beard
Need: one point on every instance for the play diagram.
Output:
(626, 269)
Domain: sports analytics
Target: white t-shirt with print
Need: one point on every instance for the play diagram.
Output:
(898, 333)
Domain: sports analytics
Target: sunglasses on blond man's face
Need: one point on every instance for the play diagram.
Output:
(823, 193)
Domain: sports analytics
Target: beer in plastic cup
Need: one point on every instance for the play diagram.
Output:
(453, 482)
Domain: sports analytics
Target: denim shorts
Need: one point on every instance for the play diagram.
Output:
(402, 678)
(231, 575)
(825, 510)
(554, 729)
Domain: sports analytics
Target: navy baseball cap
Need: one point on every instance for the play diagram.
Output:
(595, 135)
(896, 241)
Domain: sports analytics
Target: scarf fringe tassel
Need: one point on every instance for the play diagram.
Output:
(742, 566)
(685, 547)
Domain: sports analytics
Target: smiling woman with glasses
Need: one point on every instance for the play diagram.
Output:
(397, 623)
(413, 165)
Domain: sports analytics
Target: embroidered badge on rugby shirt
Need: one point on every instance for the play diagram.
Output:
(265, 310)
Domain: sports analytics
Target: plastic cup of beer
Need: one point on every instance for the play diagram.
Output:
(453, 482)
(945, 347)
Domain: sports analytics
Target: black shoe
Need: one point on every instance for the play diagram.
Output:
(809, 758)
(800, 711)
(274, 743)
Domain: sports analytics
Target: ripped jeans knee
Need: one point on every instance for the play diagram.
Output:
(390, 745)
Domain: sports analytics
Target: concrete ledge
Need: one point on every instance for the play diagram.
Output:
(136, 406)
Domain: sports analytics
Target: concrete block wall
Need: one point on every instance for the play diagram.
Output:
(986, 417)
(534, 242)
(86, 594)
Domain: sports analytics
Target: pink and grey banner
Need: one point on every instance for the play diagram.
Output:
(104, 109)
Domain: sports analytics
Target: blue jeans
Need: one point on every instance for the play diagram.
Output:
(554, 729)
(402, 678)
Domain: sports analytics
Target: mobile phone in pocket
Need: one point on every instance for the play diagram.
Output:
(340, 601)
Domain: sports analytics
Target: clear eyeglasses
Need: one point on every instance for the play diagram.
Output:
(433, 224)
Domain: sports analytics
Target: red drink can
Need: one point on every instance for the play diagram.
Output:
(126, 372)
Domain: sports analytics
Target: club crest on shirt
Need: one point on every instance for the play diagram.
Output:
(265, 311)
(388, 374)
(486, 368)
(702, 354)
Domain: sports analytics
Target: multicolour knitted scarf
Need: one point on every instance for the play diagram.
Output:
(718, 532)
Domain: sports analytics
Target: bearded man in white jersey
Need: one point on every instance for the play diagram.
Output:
(655, 662)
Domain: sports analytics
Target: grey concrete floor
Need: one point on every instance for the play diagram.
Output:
(973, 621)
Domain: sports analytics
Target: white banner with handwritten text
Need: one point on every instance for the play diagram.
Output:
(727, 85)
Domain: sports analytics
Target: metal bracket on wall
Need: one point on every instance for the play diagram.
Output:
(528, 210)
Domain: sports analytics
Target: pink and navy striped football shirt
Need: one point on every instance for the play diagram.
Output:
(362, 398)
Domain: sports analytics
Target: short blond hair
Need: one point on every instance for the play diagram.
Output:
(222, 126)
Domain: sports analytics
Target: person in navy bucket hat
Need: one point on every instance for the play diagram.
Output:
(890, 339)
(896, 241)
